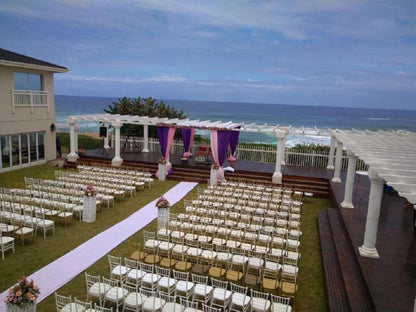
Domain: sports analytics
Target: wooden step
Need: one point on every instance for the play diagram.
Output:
(355, 285)
(335, 287)
(201, 174)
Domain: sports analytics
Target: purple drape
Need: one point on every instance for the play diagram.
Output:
(187, 138)
(162, 133)
(234, 135)
(223, 141)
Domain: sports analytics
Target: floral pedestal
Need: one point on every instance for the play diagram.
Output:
(30, 307)
(213, 177)
(162, 172)
(89, 210)
(163, 218)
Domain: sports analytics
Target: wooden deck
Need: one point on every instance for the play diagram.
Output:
(391, 279)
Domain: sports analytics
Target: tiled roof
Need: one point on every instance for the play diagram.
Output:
(10, 56)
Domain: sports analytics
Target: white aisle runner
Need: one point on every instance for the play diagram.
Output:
(61, 271)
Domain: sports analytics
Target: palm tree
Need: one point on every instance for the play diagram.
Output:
(143, 107)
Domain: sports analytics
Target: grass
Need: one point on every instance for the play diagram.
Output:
(84, 142)
(39, 252)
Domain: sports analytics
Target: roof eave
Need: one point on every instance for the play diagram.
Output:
(34, 66)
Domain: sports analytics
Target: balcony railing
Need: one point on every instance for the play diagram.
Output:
(28, 98)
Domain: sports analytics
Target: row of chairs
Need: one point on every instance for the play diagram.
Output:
(217, 294)
(236, 264)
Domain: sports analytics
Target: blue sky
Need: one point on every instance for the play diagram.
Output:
(354, 53)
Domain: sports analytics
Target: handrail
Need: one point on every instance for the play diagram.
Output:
(30, 98)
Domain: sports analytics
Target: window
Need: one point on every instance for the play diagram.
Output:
(21, 149)
(25, 81)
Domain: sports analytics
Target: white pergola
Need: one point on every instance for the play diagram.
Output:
(391, 156)
(117, 122)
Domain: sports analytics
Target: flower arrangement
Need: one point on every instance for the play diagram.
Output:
(24, 292)
(162, 160)
(90, 191)
(162, 203)
(215, 166)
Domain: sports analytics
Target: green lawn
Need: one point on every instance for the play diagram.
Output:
(39, 252)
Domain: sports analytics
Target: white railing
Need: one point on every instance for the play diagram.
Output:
(307, 157)
(28, 98)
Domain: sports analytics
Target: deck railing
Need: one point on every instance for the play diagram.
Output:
(28, 98)
(307, 156)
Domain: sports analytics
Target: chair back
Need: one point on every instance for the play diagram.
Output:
(113, 261)
(90, 280)
(149, 268)
(111, 281)
(131, 264)
(280, 301)
(218, 283)
(99, 308)
(163, 271)
(238, 289)
(81, 306)
(62, 301)
(183, 276)
(208, 308)
(199, 279)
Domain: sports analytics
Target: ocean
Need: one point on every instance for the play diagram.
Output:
(344, 118)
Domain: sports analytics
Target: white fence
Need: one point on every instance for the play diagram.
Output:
(307, 157)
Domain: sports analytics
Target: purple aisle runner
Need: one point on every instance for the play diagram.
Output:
(61, 271)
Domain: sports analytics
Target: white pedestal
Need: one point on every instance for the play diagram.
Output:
(163, 218)
(213, 177)
(277, 178)
(89, 209)
(162, 172)
(16, 308)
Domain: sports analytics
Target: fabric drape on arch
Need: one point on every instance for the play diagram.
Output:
(234, 135)
(219, 145)
(188, 140)
(165, 135)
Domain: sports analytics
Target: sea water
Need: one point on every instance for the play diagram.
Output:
(322, 117)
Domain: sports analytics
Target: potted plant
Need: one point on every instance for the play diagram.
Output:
(22, 297)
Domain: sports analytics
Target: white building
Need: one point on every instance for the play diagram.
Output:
(27, 106)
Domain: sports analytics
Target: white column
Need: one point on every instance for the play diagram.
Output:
(349, 183)
(72, 156)
(283, 151)
(331, 154)
(145, 139)
(338, 161)
(368, 249)
(117, 161)
(277, 175)
(106, 145)
(76, 130)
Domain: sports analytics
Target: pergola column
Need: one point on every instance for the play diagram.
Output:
(106, 145)
(145, 139)
(331, 154)
(368, 249)
(72, 156)
(283, 162)
(349, 183)
(117, 161)
(76, 130)
(338, 161)
(277, 175)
